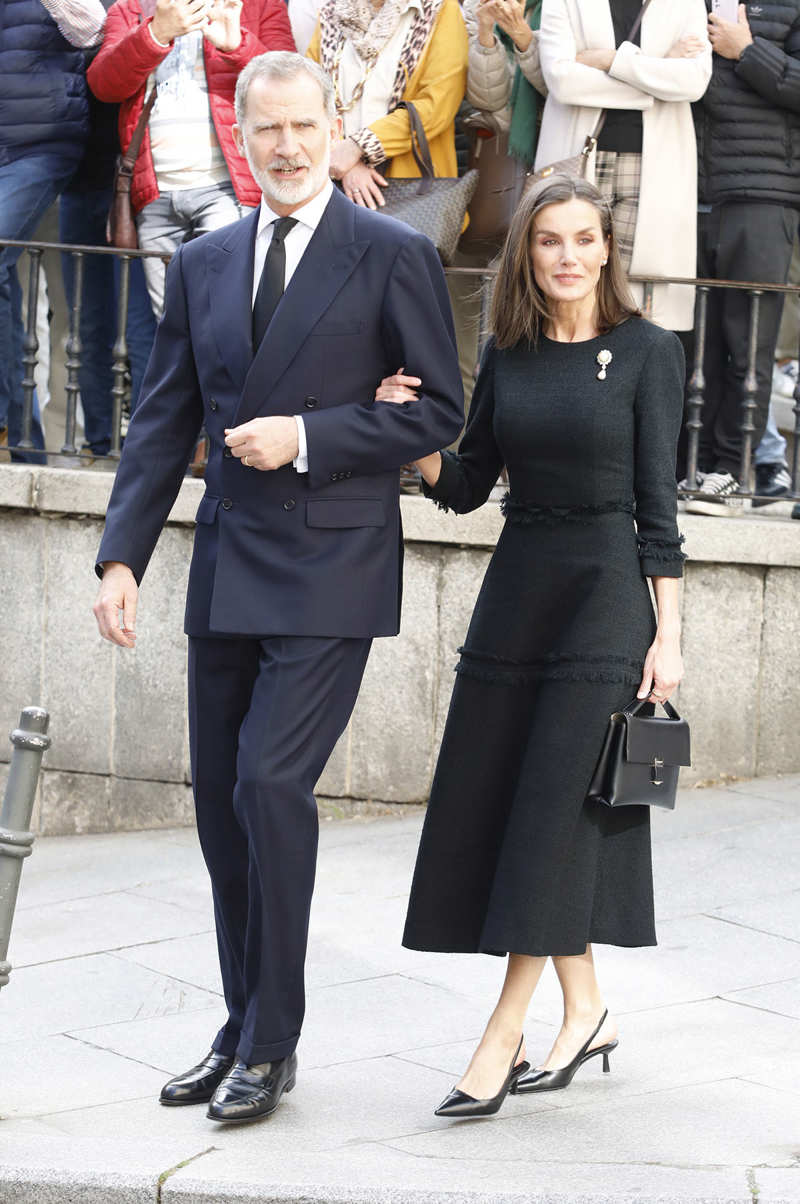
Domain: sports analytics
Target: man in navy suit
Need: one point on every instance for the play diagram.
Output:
(275, 334)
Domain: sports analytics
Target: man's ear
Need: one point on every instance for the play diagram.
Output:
(337, 130)
(238, 138)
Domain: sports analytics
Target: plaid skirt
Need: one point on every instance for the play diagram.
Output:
(618, 177)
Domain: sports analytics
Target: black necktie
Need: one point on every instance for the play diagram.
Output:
(271, 284)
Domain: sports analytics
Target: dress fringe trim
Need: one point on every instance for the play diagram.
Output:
(554, 666)
(663, 551)
(522, 512)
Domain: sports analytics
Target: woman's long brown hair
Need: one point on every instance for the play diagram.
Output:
(519, 307)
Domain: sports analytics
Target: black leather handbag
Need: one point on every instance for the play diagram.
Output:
(640, 758)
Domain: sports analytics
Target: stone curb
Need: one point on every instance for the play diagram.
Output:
(72, 491)
(37, 1187)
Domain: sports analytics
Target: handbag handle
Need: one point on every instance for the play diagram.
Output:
(591, 139)
(419, 146)
(634, 707)
(129, 157)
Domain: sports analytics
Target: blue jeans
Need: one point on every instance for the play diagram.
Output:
(82, 219)
(28, 186)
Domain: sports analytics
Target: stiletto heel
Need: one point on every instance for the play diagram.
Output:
(459, 1104)
(556, 1080)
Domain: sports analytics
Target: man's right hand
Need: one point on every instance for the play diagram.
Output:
(173, 18)
(118, 592)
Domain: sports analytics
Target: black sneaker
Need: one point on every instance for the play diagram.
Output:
(719, 494)
(772, 483)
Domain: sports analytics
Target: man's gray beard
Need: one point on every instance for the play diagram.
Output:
(290, 193)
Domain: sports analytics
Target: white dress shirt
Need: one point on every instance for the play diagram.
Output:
(308, 217)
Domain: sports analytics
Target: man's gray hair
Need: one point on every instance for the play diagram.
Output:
(282, 64)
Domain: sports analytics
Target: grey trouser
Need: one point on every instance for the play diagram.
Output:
(175, 217)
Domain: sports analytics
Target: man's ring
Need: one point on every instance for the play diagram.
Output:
(246, 461)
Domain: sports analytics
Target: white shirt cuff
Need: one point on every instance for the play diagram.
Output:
(162, 45)
(301, 460)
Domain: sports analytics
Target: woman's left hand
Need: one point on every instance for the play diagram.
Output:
(601, 59)
(363, 185)
(398, 388)
(663, 669)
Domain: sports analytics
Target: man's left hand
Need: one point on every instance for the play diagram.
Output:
(224, 29)
(265, 443)
(729, 40)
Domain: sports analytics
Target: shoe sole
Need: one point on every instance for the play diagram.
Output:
(244, 1120)
(716, 509)
(592, 1053)
(185, 1103)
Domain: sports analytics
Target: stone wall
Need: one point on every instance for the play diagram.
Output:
(119, 757)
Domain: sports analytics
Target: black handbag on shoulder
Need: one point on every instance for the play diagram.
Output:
(640, 758)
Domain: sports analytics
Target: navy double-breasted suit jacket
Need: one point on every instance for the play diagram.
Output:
(282, 552)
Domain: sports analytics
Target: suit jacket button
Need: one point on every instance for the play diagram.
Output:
(348, 474)
(311, 403)
(334, 476)
(289, 504)
(227, 504)
(227, 453)
(212, 405)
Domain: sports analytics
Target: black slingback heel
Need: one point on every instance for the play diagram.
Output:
(556, 1080)
(458, 1104)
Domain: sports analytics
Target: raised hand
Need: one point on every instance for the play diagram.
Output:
(729, 40)
(223, 28)
(173, 18)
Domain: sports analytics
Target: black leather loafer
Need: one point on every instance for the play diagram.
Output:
(248, 1092)
(196, 1086)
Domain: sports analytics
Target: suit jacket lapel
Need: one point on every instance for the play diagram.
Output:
(230, 288)
(327, 262)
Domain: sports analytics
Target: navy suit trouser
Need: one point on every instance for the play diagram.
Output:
(264, 716)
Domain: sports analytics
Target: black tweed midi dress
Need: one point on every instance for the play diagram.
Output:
(512, 857)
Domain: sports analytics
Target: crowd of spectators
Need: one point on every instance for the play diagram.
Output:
(699, 157)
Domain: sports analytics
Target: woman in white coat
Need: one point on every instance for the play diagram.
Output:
(646, 159)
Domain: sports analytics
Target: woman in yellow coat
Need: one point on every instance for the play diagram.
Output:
(378, 55)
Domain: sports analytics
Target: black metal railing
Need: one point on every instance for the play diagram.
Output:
(484, 277)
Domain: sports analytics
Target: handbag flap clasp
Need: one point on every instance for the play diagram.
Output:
(657, 742)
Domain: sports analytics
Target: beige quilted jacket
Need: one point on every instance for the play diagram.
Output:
(491, 70)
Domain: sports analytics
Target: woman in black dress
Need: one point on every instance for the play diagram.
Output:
(581, 399)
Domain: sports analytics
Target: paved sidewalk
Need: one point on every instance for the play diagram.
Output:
(115, 988)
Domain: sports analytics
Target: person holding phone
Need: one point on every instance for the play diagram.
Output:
(748, 143)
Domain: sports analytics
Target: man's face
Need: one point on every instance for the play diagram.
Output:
(286, 138)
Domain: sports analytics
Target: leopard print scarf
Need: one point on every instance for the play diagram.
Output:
(369, 31)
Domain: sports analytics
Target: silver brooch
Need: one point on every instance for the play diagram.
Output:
(604, 358)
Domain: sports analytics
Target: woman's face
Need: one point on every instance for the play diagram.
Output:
(568, 250)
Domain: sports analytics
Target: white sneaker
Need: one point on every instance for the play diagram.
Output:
(684, 485)
(784, 378)
(718, 495)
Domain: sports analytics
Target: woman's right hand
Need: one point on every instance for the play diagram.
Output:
(510, 16)
(398, 388)
(686, 48)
